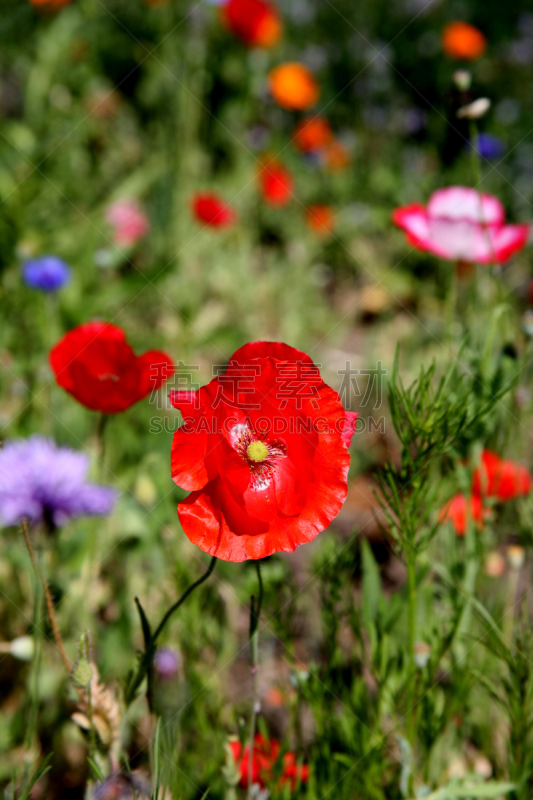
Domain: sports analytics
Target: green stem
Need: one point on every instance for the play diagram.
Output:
(255, 612)
(411, 587)
(145, 662)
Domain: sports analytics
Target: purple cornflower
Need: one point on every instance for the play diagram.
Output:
(167, 664)
(47, 273)
(44, 482)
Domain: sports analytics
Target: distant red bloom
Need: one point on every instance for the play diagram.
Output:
(264, 452)
(320, 219)
(256, 22)
(455, 511)
(50, 5)
(463, 41)
(500, 478)
(264, 759)
(293, 86)
(212, 210)
(312, 133)
(336, 156)
(95, 364)
(462, 224)
(276, 184)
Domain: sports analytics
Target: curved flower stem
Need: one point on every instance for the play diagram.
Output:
(255, 612)
(48, 597)
(150, 639)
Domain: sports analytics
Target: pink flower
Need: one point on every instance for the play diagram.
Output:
(130, 223)
(462, 224)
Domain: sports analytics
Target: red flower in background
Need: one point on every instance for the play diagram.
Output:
(312, 133)
(276, 184)
(264, 757)
(95, 364)
(462, 224)
(500, 478)
(293, 86)
(455, 511)
(256, 22)
(211, 209)
(463, 41)
(50, 5)
(497, 478)
(264, 452)
(320, 219)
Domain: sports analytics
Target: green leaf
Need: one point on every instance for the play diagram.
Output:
(371, 583)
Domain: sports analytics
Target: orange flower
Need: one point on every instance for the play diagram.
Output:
(293, 86)
(463, 41)
(276, 184)
(49, 5)
(320, 219)
(336, 156)
(256, 22)
(312, 133)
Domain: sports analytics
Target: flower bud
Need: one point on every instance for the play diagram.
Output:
(82, 674)
(494, 564)
(462, 79)
(516, 556)
(422, 653)
(167, 664)
(478, 108)
(23, 648)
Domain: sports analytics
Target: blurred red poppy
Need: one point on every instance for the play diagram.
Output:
(312, 133)
(463, 41)
(212, 210)
(320, 219)
(276, 184)
(336, 156)
(500, 478)
(256, 22)
(293, 86)
(264, 452)
(95, 364)
(264, 759)
(50, 5)
(455, 511)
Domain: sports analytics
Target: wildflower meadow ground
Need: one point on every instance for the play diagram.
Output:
(266, 400)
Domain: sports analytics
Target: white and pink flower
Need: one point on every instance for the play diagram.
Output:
(129, 222)
(462, 224)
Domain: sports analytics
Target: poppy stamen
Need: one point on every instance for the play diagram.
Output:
(257, 451)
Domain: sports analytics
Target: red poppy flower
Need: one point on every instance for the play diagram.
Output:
(50, 5)
(95, 364)
(455, 511)
(212, 210)
(264, 452)
(293, 86)
(312, 133)
(500, 478)
(264, 757)
(256, 22)
(320, 219)
(463, 41)
(276, 184)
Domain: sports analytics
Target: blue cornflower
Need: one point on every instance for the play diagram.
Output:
(47, 273)
(42, 481)
(489, 146)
